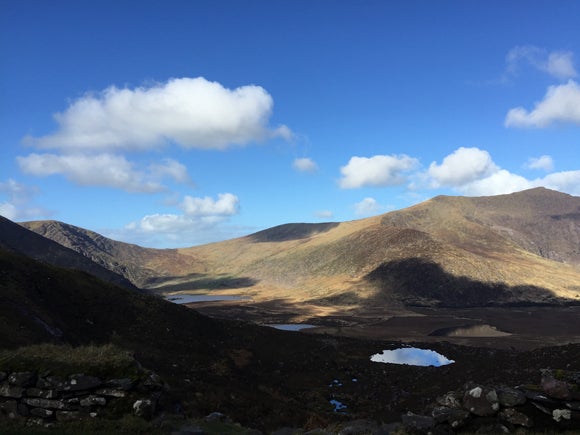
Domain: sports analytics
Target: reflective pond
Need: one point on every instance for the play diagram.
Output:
(411, 356)
(189, 299)
(290, 326)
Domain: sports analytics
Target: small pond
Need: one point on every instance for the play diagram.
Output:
(189, 299)
(412, 356)
(290, 326)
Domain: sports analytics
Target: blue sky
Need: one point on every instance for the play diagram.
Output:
(178, 123)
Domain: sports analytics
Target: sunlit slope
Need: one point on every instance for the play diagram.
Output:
(427, 254)
(507, 249)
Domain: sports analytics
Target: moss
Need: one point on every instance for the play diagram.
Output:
(105, 361)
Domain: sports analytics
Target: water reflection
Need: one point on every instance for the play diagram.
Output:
(412, 356)
(290, 326)
(189, 299)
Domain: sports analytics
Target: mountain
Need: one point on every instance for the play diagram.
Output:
(135, 263)
(521, 248)
(449, 251)
(15, 238)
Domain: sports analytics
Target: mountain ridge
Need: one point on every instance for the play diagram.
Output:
(526, 240)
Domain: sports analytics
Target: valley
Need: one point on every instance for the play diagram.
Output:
(492, 284)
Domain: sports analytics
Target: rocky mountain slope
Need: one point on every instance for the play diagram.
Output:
(134, 262)
(17, 239)
(522, 248)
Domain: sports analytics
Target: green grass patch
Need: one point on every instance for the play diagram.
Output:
(104, 360)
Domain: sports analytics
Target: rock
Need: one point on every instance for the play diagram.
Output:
(144, 408)
(3, 376)
(22, 379)
(481, 401)
(43, 403)
(510, 396)
(45, 394)
(573, 405)
(41, 412)
(359, 427)
(11, 391)
(561, 414)
(449, 400)
(81, 382)
(153, 382)
(554, 387)
(49, 382)
(417, 422)
(512, 416)
(111, 392)
(9, 409)
(125, 384)
(93, 400)
(455, 417)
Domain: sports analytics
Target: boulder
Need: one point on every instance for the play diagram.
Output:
(455, 417)
(417, 422)
(451, 399)
(555, 388)
(11, 391)
(144, 408)
(514, 417)
(81, 382)
(561, 414)
(41, 412)
(37, 402)
(110, 392)
(125, 384)
(510, 397)
(45, 394)
(481, 401)
(22, 379)
(93, 400)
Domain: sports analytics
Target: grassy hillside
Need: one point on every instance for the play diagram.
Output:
(526, 244)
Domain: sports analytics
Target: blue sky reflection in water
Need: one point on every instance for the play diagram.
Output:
(411, 356)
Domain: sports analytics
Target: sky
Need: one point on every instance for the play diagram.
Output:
(178, 123)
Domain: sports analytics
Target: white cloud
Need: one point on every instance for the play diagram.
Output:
(497, 183)
(378, 170)
(170, 168)
(558, 64)
(561, 65)
(324, 214)
(305, 164)
(566, 181)
(106, 170)
(199, 223)
(560, 104)
(367, 207)
(544, 162)
(8, 210)
(462, 166)
(227, 204)
(487, 178)
(20, 202)
(192, 112)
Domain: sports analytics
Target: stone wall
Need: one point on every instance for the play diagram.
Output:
(45, 399)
